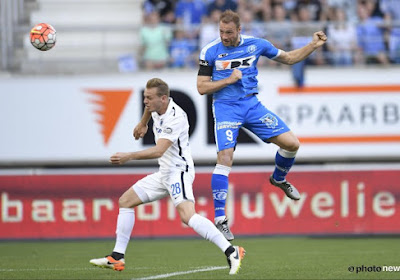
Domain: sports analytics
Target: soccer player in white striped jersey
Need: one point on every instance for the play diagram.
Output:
(228, 71)
(174, 178)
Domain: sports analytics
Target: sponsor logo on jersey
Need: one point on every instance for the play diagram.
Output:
(224, 125)
(203, 62)
(276, 130)
(270, 120)
(222, 55)
(235, 52)
(245, 62)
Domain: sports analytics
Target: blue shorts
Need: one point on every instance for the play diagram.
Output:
(230, 116)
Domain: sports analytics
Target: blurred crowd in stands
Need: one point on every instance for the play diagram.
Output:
(359, 31)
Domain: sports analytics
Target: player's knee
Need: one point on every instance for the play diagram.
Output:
(185, 216)
(186, 211)
(185, 220)
(291, 144)
(294, 145)
(225, 157)
(124, 202)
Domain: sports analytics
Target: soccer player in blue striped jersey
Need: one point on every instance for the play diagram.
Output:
(228, 70)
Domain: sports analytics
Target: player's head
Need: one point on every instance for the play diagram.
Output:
(156, 96)
(229, 28)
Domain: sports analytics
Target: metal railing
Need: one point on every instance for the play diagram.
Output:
(12, 12)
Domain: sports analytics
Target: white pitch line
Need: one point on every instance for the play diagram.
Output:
(43, 269)
(60, 269)
(209, 268)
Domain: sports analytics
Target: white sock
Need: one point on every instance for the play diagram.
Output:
(222, 170)
(125, 223)
(205, 228)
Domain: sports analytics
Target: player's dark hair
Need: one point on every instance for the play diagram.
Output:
(230, 16)
(162, 87)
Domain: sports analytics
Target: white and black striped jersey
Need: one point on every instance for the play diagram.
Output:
(174, 126)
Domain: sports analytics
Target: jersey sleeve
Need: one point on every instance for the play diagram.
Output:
(206, 62)
(173, 129)
(268, 49)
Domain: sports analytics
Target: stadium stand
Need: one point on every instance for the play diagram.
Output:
(98, 36)
(92, 34)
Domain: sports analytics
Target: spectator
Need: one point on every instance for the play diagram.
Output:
(209, 30)
(349, 7)
(189, 14)
(370, 36)
(249, 26)
(221, 5)
(182, 50)
(163, 7)
(261, 9)
(373, 8)
(314, 7)
(243, 5)
(300, 38)
(289, 5)
(155, 38)
(391, 11)
(279, 30)
(342, 42)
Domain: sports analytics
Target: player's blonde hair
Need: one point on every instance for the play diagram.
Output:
(162, 87)
(230, 16)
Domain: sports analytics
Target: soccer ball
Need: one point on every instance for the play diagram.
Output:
(43, 36)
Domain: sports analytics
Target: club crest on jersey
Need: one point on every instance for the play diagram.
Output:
(251, 49)
(167, 130)
(245, 62)
(269, 120)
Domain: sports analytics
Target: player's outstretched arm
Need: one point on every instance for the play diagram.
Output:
(141, 128)
(206, 86)
(294, 56)
(151, 153)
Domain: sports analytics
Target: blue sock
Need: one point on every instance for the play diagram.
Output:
(219, 185)
(283, 164)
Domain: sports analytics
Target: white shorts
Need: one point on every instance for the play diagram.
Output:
(179, 186)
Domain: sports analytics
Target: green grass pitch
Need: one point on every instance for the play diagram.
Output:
(266, 258)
